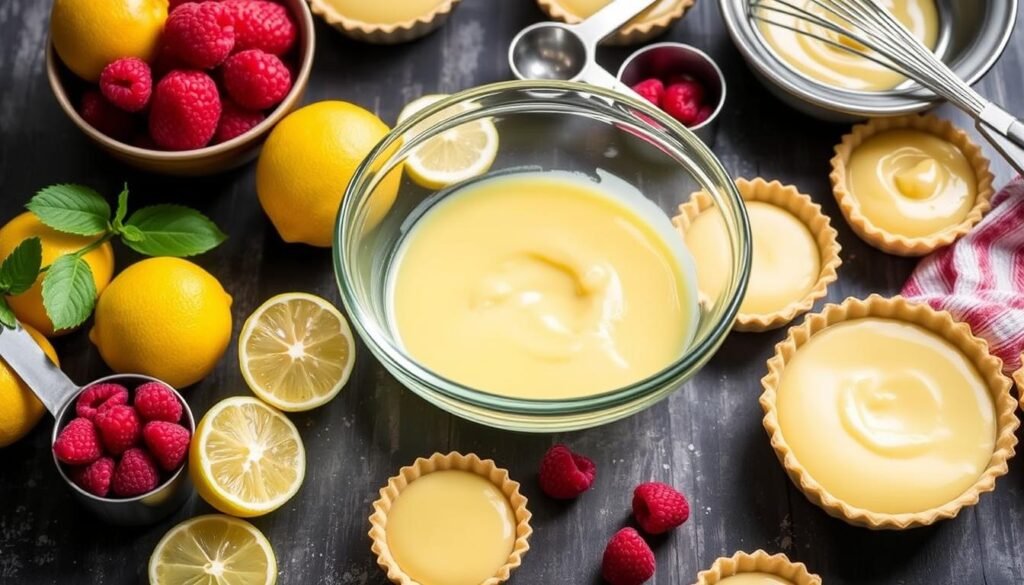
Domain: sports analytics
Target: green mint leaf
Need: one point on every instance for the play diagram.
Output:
(173, 230)
(74, 209)
(21, 268)
(69, 293)
(131, 233)
(122, 208)
(7, 318)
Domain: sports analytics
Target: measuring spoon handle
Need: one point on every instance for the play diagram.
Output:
(42, 376)
(609, 19)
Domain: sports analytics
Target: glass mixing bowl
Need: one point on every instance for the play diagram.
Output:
(542, 126)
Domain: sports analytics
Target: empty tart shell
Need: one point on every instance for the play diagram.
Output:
(384, 34)
(760, 562)
(800, 206)
(940, 323)
(895, 243)
(453, 461)
(1018, 377)
(632, 33)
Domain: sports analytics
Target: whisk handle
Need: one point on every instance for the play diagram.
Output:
(1005, 133)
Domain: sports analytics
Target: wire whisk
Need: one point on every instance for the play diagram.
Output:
(866, 29)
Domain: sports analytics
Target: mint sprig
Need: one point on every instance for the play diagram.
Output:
(69, 291)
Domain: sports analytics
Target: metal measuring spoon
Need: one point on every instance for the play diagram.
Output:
(557, 51)
(58, 393)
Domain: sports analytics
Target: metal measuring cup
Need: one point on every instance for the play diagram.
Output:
(58, 393)
(567, 52)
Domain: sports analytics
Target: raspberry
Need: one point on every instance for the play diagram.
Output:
(659, 508)
(678, 102)
(95, 478)
(155, 401)
(689, 87)
(167, 442)
(103, 116)
(174, 4)
(651, 90)
(262, 25)
(235, 121)
(256, 80)
(127, 83)
(135, 474)
(119, 428)
(703, 114)
(98, 397)
(627, 559)
(201, 35)
(564, 474)
(185, 110)
(78, 443)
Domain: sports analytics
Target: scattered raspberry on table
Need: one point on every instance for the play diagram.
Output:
(565, 475)
(658, 507)
(627, 560)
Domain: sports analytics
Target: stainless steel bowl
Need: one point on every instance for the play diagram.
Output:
(972, 36)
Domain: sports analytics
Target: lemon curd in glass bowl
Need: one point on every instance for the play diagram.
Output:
(550, 293)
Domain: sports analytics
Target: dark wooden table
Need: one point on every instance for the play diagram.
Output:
(707, 438)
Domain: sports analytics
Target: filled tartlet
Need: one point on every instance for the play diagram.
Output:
(450, 520)
(888, 414)
(384, 23)
(910, 185)
(648, 24)
(758, 568)
(795, 252)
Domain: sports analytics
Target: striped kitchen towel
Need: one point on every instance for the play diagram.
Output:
(980, 278)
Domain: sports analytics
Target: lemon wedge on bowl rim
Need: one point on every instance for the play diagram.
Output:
(296, 352)
(215, 549)
(457, 154)
(247, 458)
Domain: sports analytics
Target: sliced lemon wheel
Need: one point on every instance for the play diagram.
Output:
(461, 153)
(296, 352)
(246, 458)
(213, 550)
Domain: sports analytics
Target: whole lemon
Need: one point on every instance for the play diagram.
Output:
(306, 164)
(28, 306)
(163, 317)
(20, 410)
(90, 34)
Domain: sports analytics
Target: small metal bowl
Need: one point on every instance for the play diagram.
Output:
(663, 60)
(972, 36)
(209, 159)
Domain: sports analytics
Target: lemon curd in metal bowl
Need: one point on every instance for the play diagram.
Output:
(440, 259)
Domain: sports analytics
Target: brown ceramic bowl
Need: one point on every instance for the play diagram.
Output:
(210, 159)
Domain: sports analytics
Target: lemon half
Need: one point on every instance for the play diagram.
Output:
(213, 550)
(296, 351)
(246, 459)
(453, 156)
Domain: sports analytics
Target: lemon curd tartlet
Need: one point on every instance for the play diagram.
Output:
(450, 520)
(795, 251)
(648, 24)
(912, 184)
(758, 568)
(888, 414)
(384, 22)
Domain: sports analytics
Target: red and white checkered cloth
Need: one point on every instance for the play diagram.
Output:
(980, 278)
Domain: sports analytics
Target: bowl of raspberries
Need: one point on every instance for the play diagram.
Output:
(225, 73)
(682, 81)
(123, 444)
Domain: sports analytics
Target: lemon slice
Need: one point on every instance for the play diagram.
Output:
(213, 550)
(461, 153)
(296, 352)
(246, 458)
